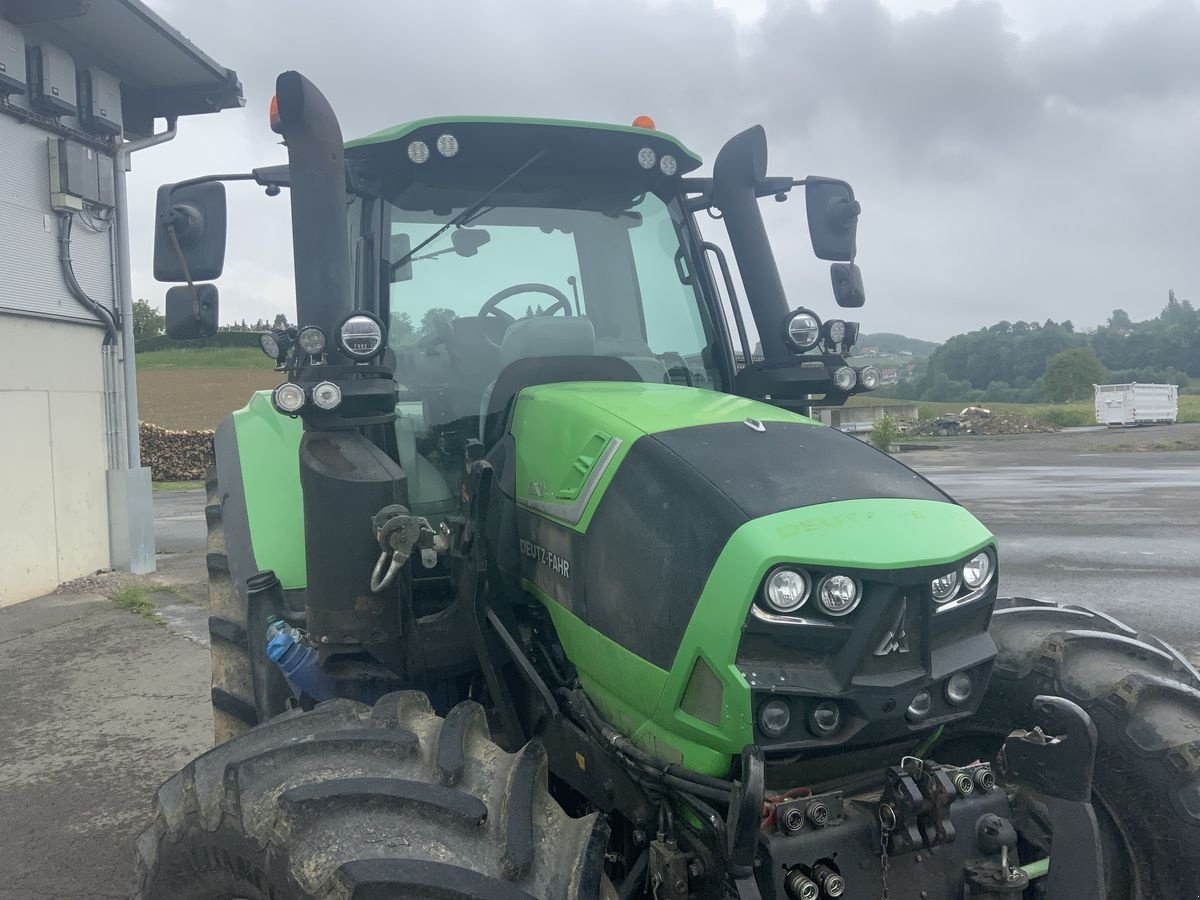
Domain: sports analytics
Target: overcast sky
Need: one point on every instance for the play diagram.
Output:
(1021, 159)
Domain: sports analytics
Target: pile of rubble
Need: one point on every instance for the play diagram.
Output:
(980, 420)
(1008, 423)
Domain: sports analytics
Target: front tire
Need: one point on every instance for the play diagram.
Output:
(1144, 699)
(347, 801)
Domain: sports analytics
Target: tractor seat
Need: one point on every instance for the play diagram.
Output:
(638, 354)
(540, 336)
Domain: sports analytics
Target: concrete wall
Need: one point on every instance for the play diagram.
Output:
(862, 418)
(53, 499)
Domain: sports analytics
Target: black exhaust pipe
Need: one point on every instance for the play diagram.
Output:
(740, 168)
(345, 478)
(317, 168)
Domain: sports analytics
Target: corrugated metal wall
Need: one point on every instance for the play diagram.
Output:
(30, 275)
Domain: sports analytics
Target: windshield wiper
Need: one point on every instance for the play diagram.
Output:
(468, 212)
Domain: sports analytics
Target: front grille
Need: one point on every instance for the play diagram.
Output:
(898, 640)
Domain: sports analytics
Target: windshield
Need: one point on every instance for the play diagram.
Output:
(606, 274)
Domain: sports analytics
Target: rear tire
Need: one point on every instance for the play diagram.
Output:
(1144, 698)
(347, 801)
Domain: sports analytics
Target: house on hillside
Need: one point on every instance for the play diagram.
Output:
(82, 84)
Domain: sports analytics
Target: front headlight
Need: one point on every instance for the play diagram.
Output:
(978, 569)
(844, 378)
(269, 344)
(803, 329)
(869, 378)
(327, 395)
(835, 331)
(945, 587)
(311, 340)
(289, 398)
(361, 336)
(839, 594)
(774, 718)
(786, 590)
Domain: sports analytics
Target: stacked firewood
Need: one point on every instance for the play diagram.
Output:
(176, 455)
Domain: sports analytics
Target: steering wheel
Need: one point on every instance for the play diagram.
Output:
(491, 306)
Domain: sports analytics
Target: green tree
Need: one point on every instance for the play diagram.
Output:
(429, 321)
(147, 320)
(280, 322)
(885, 432)
(1071, 374)
(401, 327)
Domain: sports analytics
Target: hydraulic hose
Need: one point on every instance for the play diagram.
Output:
(677, 776)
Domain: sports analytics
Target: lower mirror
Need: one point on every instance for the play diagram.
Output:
(191, 312)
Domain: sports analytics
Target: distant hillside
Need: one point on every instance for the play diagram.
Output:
(891, 344)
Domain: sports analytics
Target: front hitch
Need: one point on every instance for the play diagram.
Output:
(1056, 761)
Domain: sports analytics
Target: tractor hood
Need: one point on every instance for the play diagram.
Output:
(761, 460)
(648, 518)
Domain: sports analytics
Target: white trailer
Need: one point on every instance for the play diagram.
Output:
(1136, 404)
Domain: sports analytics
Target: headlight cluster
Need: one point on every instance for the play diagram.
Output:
(447, 146)
(788, 588)
(289, 398)
(968, 578)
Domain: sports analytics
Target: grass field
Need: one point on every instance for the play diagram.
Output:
(196, 388)
(204, 358)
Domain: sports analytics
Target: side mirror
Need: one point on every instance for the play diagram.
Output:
(191, 313)
(192, 215)
(847, 285)
(832, 217)
(401, 246)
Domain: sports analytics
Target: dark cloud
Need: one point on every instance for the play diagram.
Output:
(1003, 174)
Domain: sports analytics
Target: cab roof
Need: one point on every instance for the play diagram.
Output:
(588, 140)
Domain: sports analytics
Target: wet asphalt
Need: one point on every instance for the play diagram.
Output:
(1116, 531)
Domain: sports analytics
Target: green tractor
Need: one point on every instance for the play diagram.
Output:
(531, 581)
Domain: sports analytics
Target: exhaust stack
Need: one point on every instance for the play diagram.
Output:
(317, 169)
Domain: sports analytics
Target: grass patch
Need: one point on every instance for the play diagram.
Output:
(204, 358)
(165, 486)
(137, 599)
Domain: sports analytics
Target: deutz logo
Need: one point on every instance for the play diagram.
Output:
(896, 639)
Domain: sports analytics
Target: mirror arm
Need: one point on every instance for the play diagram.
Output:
(186, 272)
(777, 187)
(696, 194)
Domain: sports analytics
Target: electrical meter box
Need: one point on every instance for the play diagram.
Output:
(74, 174)
(107, 180)
(99, 101)
(12, 59)
(52, 80)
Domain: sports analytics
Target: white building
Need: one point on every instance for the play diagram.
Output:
(862, 417)
(81, 85)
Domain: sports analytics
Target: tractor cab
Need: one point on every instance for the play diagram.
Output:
(494, 242)
(486, 244)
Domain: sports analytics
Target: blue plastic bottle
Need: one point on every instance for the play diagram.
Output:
(300, 664)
